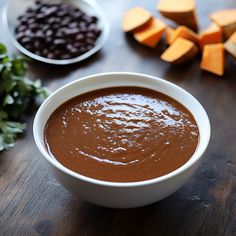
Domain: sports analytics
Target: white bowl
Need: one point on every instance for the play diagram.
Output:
(113, 194)
(14, 8)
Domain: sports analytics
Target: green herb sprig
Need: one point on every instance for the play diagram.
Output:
(17, 93)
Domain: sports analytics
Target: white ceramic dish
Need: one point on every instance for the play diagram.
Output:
(14, 8)
(121, 195)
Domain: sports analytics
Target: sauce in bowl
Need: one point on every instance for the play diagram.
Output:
(122, 134)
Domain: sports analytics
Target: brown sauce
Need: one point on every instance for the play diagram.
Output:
(122, 134)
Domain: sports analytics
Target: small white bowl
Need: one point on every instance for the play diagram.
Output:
(14, 8)
(113, 194)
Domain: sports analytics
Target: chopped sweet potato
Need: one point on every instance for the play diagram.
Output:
(180, 51)
(213, 58)
(230, 45)
(135, 18)
(182, 12)
(169, 33)
(210, 35)
(226, 20)
(151, 34)
(184, 32)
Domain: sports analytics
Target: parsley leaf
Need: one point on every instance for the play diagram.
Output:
(17, 94)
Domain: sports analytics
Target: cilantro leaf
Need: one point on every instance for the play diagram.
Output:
(17, 94)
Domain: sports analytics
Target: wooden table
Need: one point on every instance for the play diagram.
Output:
(33, 203)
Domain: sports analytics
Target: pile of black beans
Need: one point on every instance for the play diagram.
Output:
(57, 30)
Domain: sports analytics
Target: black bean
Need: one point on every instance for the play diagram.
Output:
(39, 35)
(80, 37)
(83, 49)
(50, 11)
(77, 44)
(29, 46)
(73, 50)
(83, 29)
(30, 9)
(38, 45)
(71, 32)
(40, 17)
(59, 34)
(82, 24)
(65, 56)
(30, 15)
(89, 41)
(62, 13)
(57, 31)
(21, 28)
(45, 52)
(45, 27)
(29, 33)
(91, 35)
(49, 32)
(49, 40)
(38, 53)
(43, 9)
(55, 26)
(51, 55)
(66, 20)
(59, 42)
(77, 15)
(20, 35)
(94, 19)
(34, 27)
(92, 27)
(86, 18)
(69, 46)
(31, 21)
(73, 25)
(97, 32)
(89, 47)
(25, 40)
(24, 20)
(53, 20)
(57, 52)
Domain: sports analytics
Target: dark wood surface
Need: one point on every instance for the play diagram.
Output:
(33, 203)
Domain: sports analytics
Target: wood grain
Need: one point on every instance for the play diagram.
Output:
(33, 203)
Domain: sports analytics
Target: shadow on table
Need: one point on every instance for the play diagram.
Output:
(162, 218)
(144, 51)
(186, 212)
(190, 71)
(51, 72)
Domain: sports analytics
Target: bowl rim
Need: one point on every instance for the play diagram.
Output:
(103, 37)
(193, 159)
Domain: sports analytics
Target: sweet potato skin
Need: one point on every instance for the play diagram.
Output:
(183, 14)
(226, 20)
(182, 55)
(230, 45)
